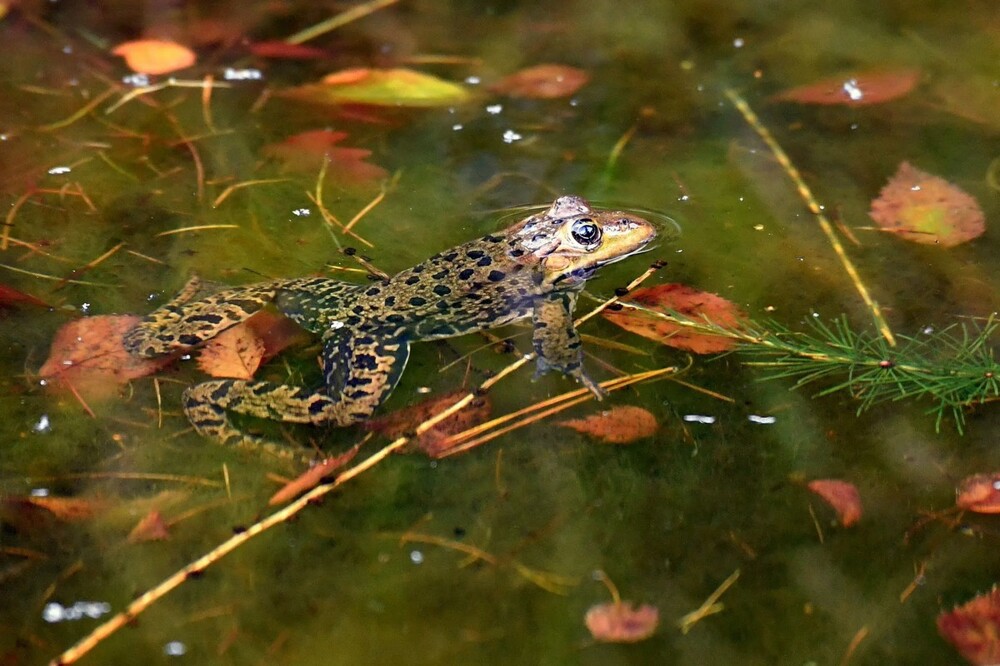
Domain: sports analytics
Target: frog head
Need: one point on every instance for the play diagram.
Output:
(570, 240)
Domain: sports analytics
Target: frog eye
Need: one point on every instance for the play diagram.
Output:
(585, 232)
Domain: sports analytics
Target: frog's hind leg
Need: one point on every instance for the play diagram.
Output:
(360, 371)
(190, 318)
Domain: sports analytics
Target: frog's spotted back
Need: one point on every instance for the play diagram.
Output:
(534, 268)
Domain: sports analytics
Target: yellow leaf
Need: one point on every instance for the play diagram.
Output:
(381, 87)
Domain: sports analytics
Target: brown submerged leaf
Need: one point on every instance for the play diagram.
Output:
(622, 622)
(872, 87)
(542, 82)
(236, 353)
(842, 496)
(306, 152)
(10, 296)
(923, 208)
(618, 425)
(312, 477)
(974, 629)
(434, 441)
(152, 527)
(88, 354)
(667, 298)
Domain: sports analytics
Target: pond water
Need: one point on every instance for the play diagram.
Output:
(102, 188)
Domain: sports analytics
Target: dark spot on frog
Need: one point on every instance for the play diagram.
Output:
(390, 301)
(466, 274)
(440, 275)
(485, 261)
(442, 290)
(416, 301)
(475, 254)
(413, 279)
(374, 291)
(496, 276)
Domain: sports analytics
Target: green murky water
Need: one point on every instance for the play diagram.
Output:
(669, 517)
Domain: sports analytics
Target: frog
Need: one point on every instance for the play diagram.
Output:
(535, 268)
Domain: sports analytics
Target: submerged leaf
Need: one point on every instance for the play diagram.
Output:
(873, 87)
(235, 353)
(306, 152)
(434, 442)
(670, 298)
(312, 477)
(10, 296)
(622, 622)
(842, 496)
(618, 425)
(381, 87)
(155, 56)
(924, 208)
(979, 493)
(974, 628)
(542, 82)
(152, 527)
(285, 50)
(88, 353)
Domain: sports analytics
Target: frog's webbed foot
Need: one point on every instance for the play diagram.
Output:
(191, 317)
(575, 371)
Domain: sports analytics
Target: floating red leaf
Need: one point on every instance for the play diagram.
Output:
(88, 354)
(924, 208)
(842, 496)
(979, 493)
(974, 629)
(284, 50)
(306, 153)
(669, 298)
(155, 56)
(873, 87)
(622, 622)
(542, 82)
(618, 425)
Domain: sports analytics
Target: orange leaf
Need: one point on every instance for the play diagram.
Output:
(68, 509)
(88, 354)
(542, 82)
(275, 332)
(622, 622)
(842, 496)
(155, 56)
(979, 493)
(667, 298)
(235, 353)
(312, 476)
(872, 87)
(434, 441)
(924, 208)
(974, 628)
(151, 528)
(306, 153)
(618, 425)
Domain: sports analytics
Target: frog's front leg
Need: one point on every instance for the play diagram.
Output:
(360, 370)
(556, 342)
